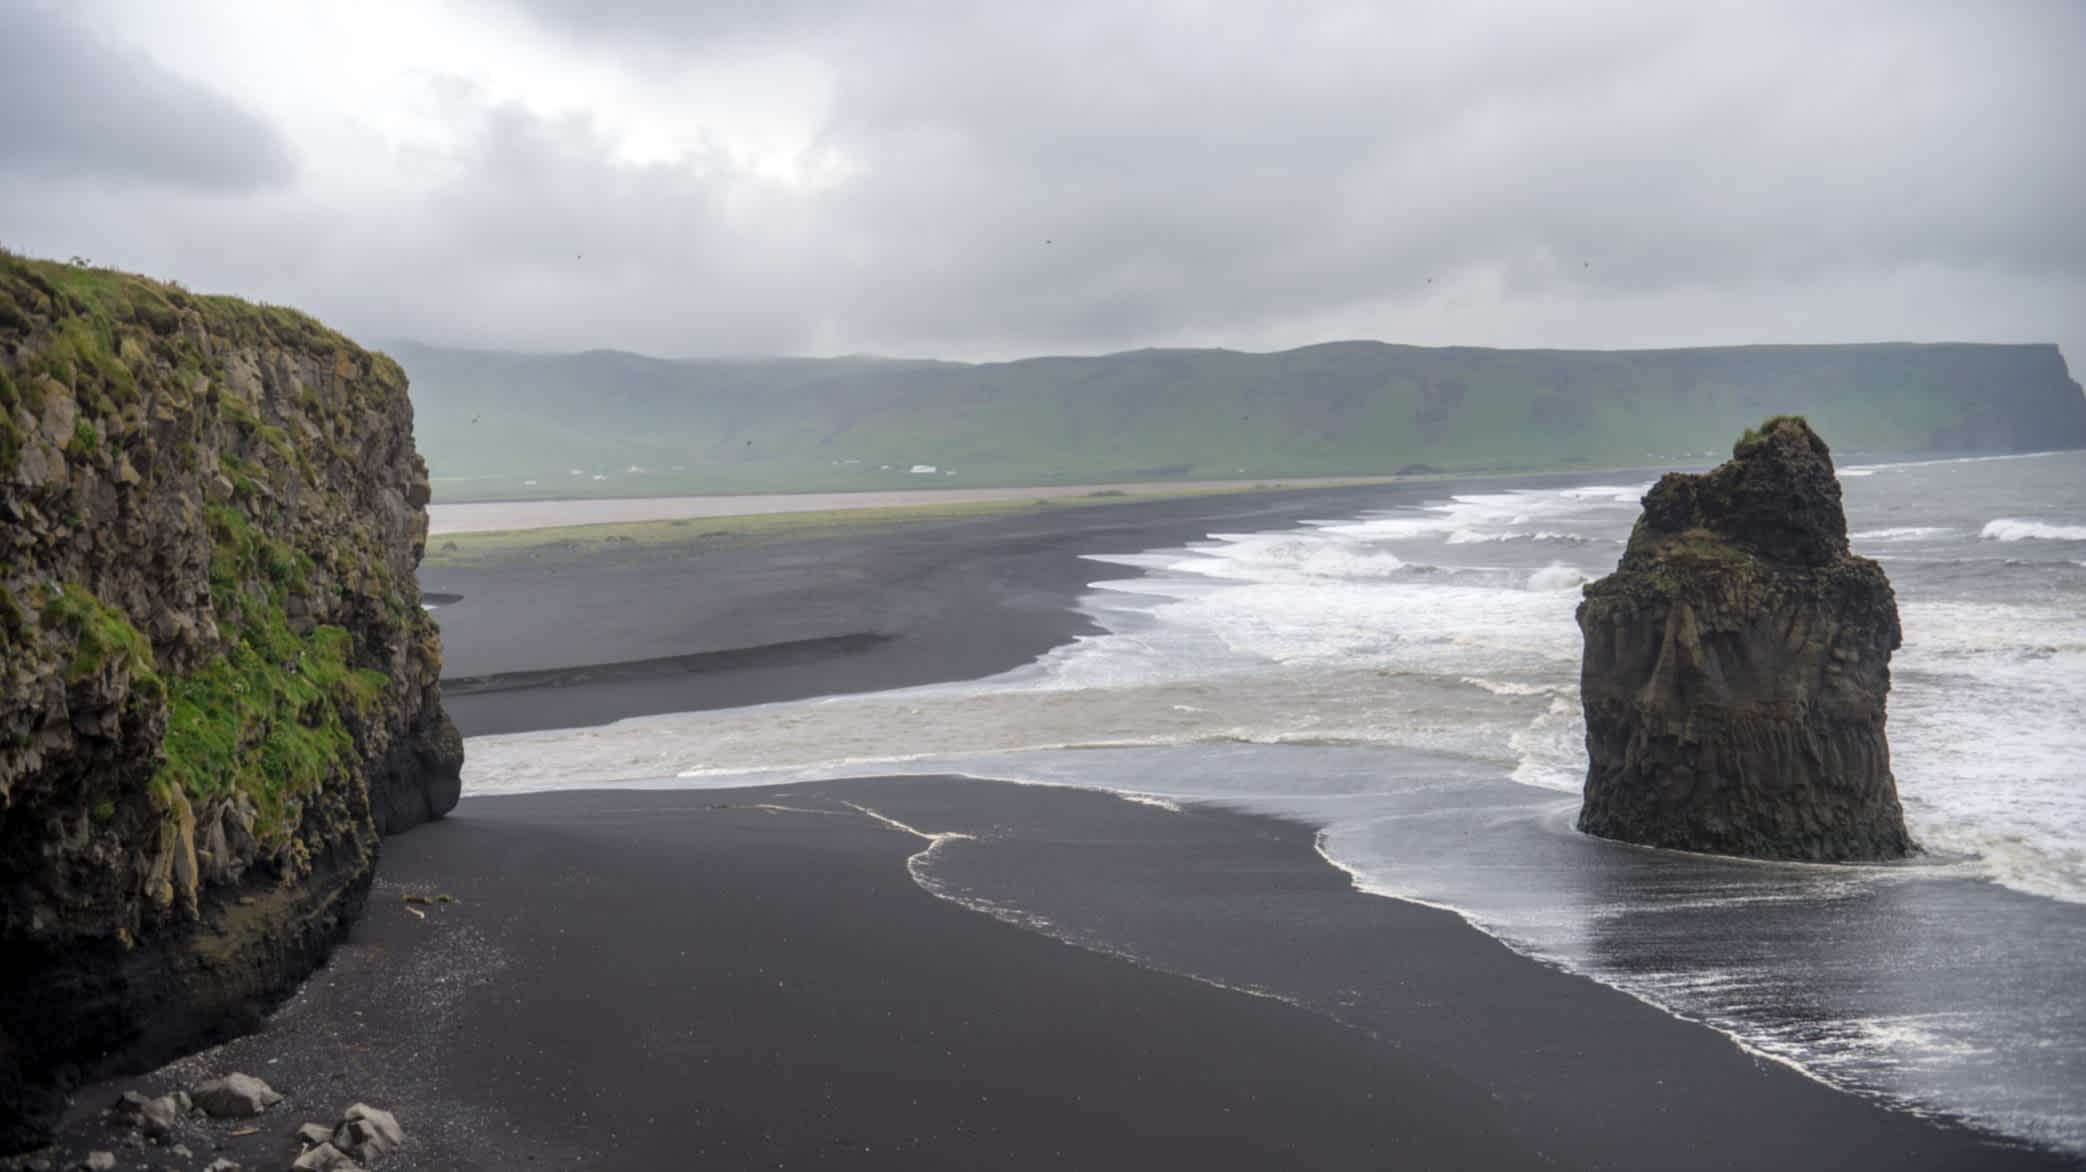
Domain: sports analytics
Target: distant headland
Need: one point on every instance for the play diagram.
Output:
(500, 425)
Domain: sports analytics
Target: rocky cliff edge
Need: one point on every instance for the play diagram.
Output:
(1737, 664)
(217, 685)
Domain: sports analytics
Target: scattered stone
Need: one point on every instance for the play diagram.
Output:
(99, 1161)
(182, 1151)
(235, 1096)
(311, 1135)
(362, 1140)
(381, 1123)
(325, 1158)
(155, 1117)
(221, 1165)
(364, 1133)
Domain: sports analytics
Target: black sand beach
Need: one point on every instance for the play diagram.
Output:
(555, 638)
(752, 978)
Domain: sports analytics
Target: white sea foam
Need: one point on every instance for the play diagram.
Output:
(1509, 687)
(1476, 537)
(2007, 457)
(1614, 494)
(1903, 533)
(2019, 529)
(1557, 576)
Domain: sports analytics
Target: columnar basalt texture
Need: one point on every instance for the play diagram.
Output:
(217, 685)
(1736, 668)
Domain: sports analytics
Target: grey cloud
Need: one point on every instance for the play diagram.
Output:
(1208, 167)
(1091, 176)
(1725, 152)
(541, 240)
(73, 107)
(681, 26)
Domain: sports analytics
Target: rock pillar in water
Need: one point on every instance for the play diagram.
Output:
(1736, 667)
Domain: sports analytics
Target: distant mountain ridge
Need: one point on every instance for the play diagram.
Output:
(608, 422)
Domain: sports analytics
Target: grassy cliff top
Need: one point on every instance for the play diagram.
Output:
(31, 287)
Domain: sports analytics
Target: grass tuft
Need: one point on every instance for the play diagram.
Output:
(275, 717)
(103, 637)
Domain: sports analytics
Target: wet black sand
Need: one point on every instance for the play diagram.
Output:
(751, 979)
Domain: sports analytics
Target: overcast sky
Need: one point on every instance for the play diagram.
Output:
(992, 180)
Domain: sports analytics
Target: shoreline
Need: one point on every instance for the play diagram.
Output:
(459, 517)
(802, 1000)
(597, 632)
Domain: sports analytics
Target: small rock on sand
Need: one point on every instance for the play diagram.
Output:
(366, 1132)
(235, 1096)
(155, 1117)
(325, 1158)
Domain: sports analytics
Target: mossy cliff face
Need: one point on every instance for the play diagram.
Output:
(1737, 664)
(217, 686)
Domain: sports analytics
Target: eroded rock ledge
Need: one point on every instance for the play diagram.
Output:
(1737, 664)
(217, 686)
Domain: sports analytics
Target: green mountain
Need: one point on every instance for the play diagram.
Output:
(496, 424)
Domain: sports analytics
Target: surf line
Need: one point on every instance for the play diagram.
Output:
(934, 838)
(915, 866)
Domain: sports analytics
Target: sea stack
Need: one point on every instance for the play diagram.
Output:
(217, 686)
(1736, 667)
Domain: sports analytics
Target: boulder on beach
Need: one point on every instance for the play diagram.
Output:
(366, 1132)
(1737, 664)
(363, 1134)
(155, 1117)
(324, 1158)
(235, 1096)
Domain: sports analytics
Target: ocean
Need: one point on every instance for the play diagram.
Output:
(1405, 681)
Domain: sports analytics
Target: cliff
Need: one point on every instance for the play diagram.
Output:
(217, 686)
(1736, 668)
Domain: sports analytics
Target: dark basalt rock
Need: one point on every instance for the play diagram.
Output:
(1736, 668)
(217, 686)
